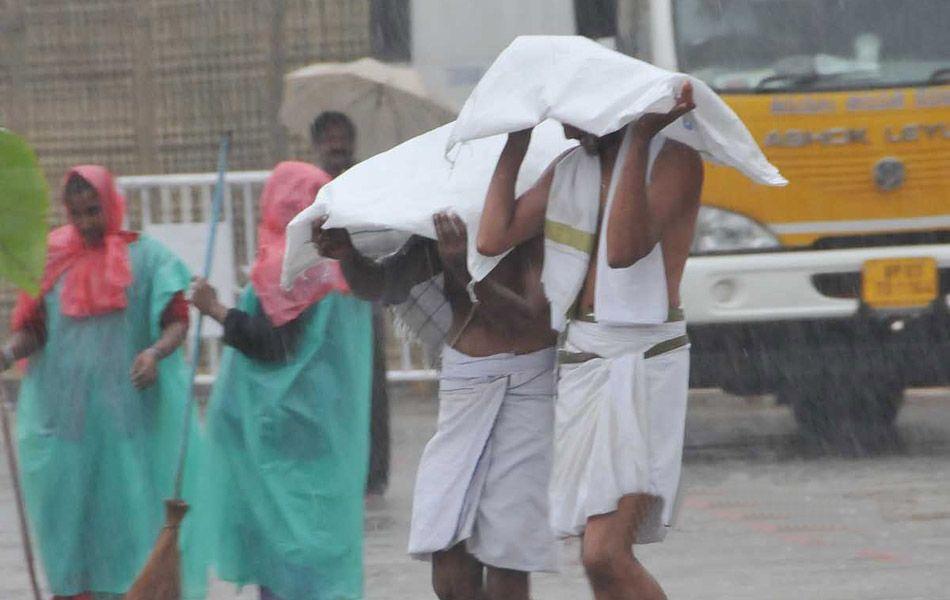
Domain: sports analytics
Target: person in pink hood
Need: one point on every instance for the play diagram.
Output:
(288, 419)
(104, 393)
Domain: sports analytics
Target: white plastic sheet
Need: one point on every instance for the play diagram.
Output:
(401, 189)
(538, 81)
(575, 80)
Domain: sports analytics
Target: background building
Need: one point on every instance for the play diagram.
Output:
(149, 86)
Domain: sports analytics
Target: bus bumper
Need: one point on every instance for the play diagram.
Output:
(758, 320)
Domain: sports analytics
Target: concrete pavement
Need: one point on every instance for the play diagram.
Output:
(761, 518)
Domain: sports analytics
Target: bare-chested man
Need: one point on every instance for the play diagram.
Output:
(618, 216)
(480, 508)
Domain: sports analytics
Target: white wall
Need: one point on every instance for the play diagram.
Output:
(454, 41)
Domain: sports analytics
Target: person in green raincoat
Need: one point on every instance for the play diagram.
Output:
(288, 418)
(103, 399)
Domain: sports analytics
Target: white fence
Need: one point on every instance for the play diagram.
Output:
(176, 209)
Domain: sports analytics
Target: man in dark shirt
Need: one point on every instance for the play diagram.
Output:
(333, 136)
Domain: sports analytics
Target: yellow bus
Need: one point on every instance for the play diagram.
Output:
(831, 292)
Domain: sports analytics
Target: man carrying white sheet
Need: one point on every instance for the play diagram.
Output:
(480, 508)
(617, 215)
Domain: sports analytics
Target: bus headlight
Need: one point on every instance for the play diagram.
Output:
(720, 230)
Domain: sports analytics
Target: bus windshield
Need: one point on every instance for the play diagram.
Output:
(758, 45)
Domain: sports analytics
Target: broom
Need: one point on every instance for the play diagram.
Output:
(15, 478)
(160, 579)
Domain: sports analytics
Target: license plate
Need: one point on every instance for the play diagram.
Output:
(900, 282)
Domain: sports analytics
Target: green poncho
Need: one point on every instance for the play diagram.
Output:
(288, 447)
(98, 455)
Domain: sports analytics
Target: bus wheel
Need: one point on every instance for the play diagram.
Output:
(855, 417)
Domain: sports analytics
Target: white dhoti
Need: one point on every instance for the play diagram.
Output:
(483, 478)
(621, 412)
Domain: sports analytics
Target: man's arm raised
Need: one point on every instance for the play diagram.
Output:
(497, 301)
(506, 223)
(389, 279)
(364, 276)
(640, 213)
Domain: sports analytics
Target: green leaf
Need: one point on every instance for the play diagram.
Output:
(23, 208)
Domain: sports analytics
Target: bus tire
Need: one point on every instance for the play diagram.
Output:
(854, 417)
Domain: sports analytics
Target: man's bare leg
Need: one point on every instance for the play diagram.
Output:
(506, 584)
(607, 553)
(456, 574)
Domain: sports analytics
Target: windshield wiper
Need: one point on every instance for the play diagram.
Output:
(790, 78)
(939, 75)
(809, 78)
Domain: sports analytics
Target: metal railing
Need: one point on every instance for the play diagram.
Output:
(183, 199)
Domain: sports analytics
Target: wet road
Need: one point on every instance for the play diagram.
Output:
(762, 517)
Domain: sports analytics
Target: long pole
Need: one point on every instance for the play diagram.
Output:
(216, 201)
(15, 477)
